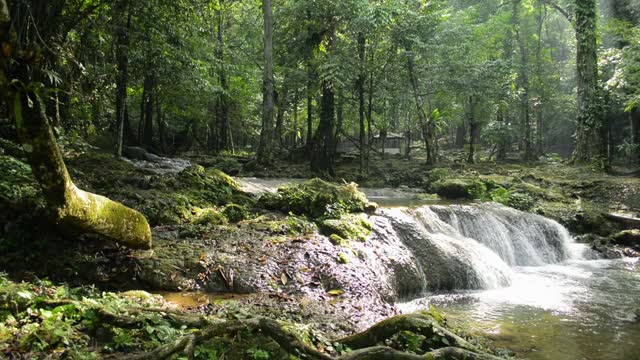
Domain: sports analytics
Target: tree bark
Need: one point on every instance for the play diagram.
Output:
(222, 104)
(323, 154)
(73, 209)
(590, 145)
(360, 86)
(525, 111)
(473, 129)
(422, 116)
(309, 142)
(122, 55)
(148, 97)
(266, 135)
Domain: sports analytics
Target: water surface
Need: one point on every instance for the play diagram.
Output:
(576, 310)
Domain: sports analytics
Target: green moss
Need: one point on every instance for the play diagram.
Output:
(291, 225)
(343, 258)
(316, 198)
(210, 216)
(336, 239)
(351, 227)
(520, 201)
(627, 238)
(235, 213)
(460, 188)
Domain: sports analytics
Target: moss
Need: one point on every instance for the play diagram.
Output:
(627, 238)
(460, 188)
(167, 199)
(520, 201)
(436, 175)
(316, 198)
(291, 225)
(210, 216)
(336, 239)
(235, 213)
(343, 258)
(351, 227)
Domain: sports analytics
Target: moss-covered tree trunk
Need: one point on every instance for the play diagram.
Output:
(590, 144)
(73, 208)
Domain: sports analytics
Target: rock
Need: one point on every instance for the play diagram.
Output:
(627, 238)
(370, 207)
(459, 188)
(316, 198)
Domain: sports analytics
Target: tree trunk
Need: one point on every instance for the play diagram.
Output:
(473, 126)
(281, 99)
(222, 105)
(634, 118)
(461, 133)
(360, 85)
(589, 130)
(422, 116)
(266, 135)
(162, 125)
(147, 96)
(73, 208)
(309, 143)
(122, 55)
(523, 82)
(296, 130)
(322, 156)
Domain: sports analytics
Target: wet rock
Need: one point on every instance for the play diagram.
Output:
(459, 188)
(627, 238)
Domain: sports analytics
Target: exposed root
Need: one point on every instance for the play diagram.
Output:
(364, 343)
(418, 323)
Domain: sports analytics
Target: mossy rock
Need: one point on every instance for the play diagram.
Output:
(316, 198)
(627, 238)
(210, 217)
(351, 227)
(460, 188)
(235, 213)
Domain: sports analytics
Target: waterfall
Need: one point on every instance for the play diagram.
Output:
(471, 246)
(519, 238)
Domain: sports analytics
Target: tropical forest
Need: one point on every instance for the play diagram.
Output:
(320, 179)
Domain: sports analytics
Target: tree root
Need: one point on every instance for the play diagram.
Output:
(418, 323)
(364, 343)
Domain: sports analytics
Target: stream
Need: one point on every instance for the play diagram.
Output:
(519, 278)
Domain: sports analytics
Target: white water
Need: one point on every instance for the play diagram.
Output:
(476, 246)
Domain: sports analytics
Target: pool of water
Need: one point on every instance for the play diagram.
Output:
(578, 310)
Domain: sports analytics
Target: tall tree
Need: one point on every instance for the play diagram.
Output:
(590, 131)
(266, 135)
(122, 11)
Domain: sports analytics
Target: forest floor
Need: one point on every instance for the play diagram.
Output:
(209, 236)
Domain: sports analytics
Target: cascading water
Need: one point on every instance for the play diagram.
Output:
(474, 246)
(519, 238)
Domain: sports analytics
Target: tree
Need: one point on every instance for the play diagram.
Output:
(590, 131)
(266, 135)
(21, 74)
